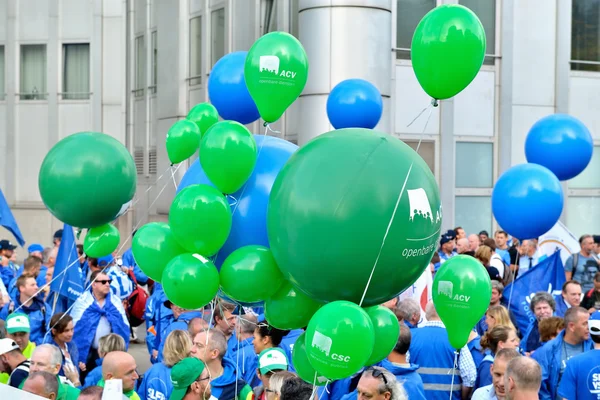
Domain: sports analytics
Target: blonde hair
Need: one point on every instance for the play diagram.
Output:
(177, 347)
(110, 342)
(500, 315)
(484, 254)
(277, 379)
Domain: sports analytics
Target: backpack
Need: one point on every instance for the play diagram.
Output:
(508, 276)
(136, 303)
(575, 262)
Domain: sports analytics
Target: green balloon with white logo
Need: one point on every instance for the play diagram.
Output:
(462, 291)
(276, 72)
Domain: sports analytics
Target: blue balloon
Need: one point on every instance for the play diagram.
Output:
(561, 143)
(354, 103)
(527, 201)
(249, 224)
(228, 92)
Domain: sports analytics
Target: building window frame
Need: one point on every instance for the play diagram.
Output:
(435, 139)
(75, 96)
(3, 72)
(139, 65)
(195, 77)
(214, 56)
(154, 56)
(39, 96)
(577, 65)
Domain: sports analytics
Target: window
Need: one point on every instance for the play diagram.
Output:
(76, 71)
(426, 151)
(196, 51)
(583, 215)
(217, 23)
(473, 213)
(585, 34)
(154, 63)
(474, 165)
(589, 178)
(408, 16)
(2, 87)
(140, 64)
(270, 16)
(294, 18)
(486, 11)
(33, 72)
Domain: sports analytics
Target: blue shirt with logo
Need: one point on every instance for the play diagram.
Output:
(581, 379)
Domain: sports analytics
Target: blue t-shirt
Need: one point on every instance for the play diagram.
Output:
(581, 379)
(504, 254)
(586, 269)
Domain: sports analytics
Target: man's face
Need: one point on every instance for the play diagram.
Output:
(37, 386)
(126, 371)
(473, 242)
(460, 233)
(448, 246)
(572, 294)
(498, 368)
(199, 349)
(227, 323)
(587, 245)
(581, 328)
(368, 389)
(462, 245)
(495, 296)
(29, 288)
(542, 310)
(21, 338)
(204, 385)
(40, 361)
(101, 285)
(482, 237)
(8, 253)
(500, 239)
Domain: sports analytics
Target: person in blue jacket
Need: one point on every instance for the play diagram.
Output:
(106, 344)
(287, 344)
(243, 355)
(376, 381)
(500, 337)
(129, 262)
(38, 311)
(543, 306)
(158, 318)
(61, 336)
(157, 380)
(31, 266)
(181, 320)
(553, 356)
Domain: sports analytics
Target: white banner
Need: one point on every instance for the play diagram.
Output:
(559, 237)
(421, 292)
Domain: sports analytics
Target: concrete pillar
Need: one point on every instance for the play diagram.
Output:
(343, 39)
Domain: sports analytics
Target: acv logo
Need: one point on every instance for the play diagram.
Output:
(271, 64)
(446, 288)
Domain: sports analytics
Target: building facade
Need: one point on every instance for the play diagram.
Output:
(131, 68)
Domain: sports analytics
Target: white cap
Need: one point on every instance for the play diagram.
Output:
(7, 345)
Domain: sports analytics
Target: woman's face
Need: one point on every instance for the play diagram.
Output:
(67, 335)
(258, 342)
(511, 343)
(490, 321)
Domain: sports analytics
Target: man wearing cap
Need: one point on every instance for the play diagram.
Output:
(269, 361)
(581, 379)
(9, 269)
(190, 380)
(18, 329)
(57, 238)
(13, 362)
(447, 244)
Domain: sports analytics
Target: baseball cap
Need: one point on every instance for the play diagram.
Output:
(106, 260)
(183, 374)
(35, 247)
(17, 323)
(7, 345)
(448, 236)
(273, 359)
(594, 323)
(6, 245)
(58, 234)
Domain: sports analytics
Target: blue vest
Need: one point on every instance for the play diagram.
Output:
(431, 350)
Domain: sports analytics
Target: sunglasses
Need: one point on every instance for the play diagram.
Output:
(378, 373)
(104, 281)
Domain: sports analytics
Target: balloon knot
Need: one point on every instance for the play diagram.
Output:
(172, 164)
(265, 124)
(434, 102)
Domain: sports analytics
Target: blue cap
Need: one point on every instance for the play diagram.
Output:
(35, 247)
(106, 260)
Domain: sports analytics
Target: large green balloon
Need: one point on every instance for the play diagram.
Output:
(153, 246)
(183, 140)
(276, 71)
(387, 331)
(302, 365)
(339, 339)
(228, 155)
(278, 306)
(447, 50)
(86, 179)
(200, 219)
(101, 241)
(462, 291)
(190, 281)
(330, 207)
(204, 115)
(250, 274)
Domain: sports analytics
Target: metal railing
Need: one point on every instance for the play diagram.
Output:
(32, 96)
(194, 80)
(74, 95)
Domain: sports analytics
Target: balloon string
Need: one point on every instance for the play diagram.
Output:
(454, 368)
(173, 176)
(512, 284)
(433, 103)
(314, 391)
(169, 168)
(387, 230)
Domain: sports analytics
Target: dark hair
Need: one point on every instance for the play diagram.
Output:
(92, 262)
(295, 389)
(484, 233)
(491, 243)
(567, 283)
(80, 249)
(95, 275)
(22, 279)
(491, 338)
(220, 308)
(583, 237)
(549, 326)
(275, 334)
(502, 233)
(59, 322)
(92, 391)
(404, 339)
(32, 262)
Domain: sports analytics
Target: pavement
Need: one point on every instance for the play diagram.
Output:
(139, 351)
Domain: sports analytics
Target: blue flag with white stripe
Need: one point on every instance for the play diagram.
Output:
(67, 280)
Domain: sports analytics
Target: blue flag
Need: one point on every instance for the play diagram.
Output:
(67, 280)
(547, 276)
(8, 221)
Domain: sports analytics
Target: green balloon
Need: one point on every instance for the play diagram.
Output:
(447, 50)
(302, 365)
(339, 339)
(387, 331)
(101, 241)
(200, 219)
(153, 246)
(278, 306)
(86, 179)
(276, 71)
(330, 207)
(250, 274)
(204, 115)
(190, 281)
(462, 291)
(228, 155)
(183, 140)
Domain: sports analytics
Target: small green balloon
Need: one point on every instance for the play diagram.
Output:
(200, 219)
(387, 331)
(228, 155)
(302, 365)
(204, 115)
(153, 246)
(339, 339)
(462, 291)
(276, 71)
(190, 281)
(101, 241)
(250, 274)
(278, 306)
(447, 50)
(183, 140)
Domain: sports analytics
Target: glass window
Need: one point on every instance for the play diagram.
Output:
(585, 34)
(583, 215)
(473, 213)
(33, 72)
(426, 151)
(474, 165)
(408, 15)
(2, 78)
(294, 18)
(270, 16)
(140, 66)
(76, 73)
(196, 51)
(486, 11)
(217, 23)
(154, 63)
(589, 178)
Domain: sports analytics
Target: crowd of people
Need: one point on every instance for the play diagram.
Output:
(225, 351)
